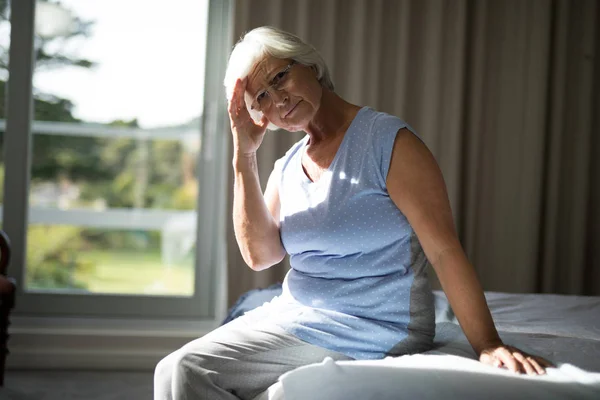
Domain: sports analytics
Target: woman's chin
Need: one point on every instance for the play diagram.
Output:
(295, 124)
(293, 128)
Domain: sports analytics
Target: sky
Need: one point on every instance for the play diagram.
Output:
(150, 58)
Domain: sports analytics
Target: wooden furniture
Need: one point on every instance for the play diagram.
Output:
(7, 300)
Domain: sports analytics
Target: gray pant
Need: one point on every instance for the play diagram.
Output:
(239, 360)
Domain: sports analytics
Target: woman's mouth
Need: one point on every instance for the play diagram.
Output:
(291, 110)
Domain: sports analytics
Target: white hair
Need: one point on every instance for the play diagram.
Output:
(269, 41)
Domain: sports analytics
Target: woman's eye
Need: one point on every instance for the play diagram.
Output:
(261, 96)
(278, 78)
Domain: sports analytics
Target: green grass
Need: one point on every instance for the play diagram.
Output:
(130, 272)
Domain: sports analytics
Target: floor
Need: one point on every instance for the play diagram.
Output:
(76, 385)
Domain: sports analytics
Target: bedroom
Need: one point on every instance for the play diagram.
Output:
(505, 94)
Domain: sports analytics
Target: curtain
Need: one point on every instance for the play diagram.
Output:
(506, 96)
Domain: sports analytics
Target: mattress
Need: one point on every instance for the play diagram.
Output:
(562, 329)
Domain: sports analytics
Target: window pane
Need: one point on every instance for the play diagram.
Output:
(92, 260)
(118, 96)
(4, 48)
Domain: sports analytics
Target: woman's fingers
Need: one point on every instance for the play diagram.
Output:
(247, 133)
(525, 363)
(240, 88)
(508, 359)
(264, 122)
(515, 360)
(237, 97)
(537, 362)
(539, 369)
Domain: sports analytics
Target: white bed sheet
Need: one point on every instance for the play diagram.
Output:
(563, 329)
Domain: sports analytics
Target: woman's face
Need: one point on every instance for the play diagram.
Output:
(287, 93)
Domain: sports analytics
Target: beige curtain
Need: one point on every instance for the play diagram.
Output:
(506, 95)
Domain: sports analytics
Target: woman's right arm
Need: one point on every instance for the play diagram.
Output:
(255, 217)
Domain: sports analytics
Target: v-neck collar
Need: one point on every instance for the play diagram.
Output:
(328, 170)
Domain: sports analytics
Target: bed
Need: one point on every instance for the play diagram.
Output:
(563, 329)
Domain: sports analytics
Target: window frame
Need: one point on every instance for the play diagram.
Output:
(207, 303)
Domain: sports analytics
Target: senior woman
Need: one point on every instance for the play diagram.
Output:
(361, 207)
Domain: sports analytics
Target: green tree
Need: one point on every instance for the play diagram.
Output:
(55, 155)
(50, 51)
(123, 172)
(52, 254)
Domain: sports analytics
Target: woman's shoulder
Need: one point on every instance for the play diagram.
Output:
(375, 125)
(384, 125)
(382, 119)
(375, 121)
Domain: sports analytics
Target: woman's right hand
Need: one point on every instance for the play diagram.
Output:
(247, 134)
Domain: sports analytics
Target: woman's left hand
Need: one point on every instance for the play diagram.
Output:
(514, 360)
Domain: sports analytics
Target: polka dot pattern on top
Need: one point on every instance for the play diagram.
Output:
(358, 283)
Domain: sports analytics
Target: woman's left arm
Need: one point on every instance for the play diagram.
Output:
(416, 185)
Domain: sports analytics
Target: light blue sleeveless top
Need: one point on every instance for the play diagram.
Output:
(358, 282)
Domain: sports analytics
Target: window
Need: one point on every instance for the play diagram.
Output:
(115, 203)
(4, 46)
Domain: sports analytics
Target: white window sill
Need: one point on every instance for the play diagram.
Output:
(97, 344)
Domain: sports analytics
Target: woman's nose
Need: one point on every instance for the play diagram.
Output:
(279, 97)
